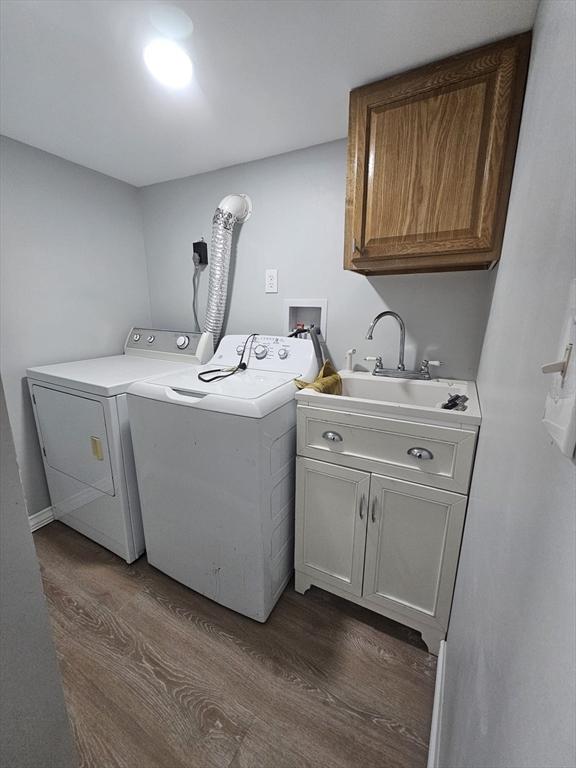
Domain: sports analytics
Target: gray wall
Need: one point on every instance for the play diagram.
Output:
(73, 278)
(34, 728)
(510, 675)
(74, 275)
(297, 227)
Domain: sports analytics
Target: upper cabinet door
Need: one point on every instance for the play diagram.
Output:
(430, 159)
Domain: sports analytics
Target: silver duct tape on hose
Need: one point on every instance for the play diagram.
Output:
(232, 209)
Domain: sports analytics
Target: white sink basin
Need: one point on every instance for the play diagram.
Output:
(365, 393)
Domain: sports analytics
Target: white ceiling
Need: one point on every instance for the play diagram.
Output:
(270, 75)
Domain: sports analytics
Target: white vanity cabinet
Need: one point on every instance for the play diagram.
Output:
(381, 540)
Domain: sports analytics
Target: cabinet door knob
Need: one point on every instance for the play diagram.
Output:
(333, 437)
(420, 453)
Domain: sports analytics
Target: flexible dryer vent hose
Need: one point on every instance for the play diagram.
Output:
(232, 209)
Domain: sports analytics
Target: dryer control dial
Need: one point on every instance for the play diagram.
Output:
(282, 353)
(182, 342)
(239, 349)
(260, 351)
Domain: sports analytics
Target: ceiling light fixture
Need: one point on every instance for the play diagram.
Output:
(168, 63)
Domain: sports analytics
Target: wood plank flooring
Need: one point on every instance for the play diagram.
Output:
(157, 676)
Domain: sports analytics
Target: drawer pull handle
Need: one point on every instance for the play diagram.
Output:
(333, 437)
(420, 453)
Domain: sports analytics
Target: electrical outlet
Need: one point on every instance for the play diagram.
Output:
(271, 281)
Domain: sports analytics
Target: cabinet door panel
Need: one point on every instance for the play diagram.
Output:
(331, 516)
(429, 199)
(412, 547)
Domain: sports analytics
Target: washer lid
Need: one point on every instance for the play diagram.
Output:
(105, 376)
(243, 385)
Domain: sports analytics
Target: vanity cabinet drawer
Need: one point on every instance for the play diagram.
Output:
(428, 454)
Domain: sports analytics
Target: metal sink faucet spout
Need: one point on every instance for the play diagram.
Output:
(400, 372)
(400, 322)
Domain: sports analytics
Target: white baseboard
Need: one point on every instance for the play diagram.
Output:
(435, 729)
(39, 519)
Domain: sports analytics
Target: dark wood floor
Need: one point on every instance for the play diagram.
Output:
(157, 676)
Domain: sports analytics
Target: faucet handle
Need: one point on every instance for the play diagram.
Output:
(425, 366)
(378, 365)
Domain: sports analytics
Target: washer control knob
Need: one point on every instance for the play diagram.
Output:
(150, 339)
(239, 349)
(282, 353)
(182, 342)
(136, 337)
(260, 351)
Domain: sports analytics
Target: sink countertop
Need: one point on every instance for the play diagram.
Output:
(412, 399)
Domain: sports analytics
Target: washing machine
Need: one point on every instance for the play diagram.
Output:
(82, 422)
(215, 467)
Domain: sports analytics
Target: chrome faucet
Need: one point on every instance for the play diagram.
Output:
(400, 371)
(400, 322)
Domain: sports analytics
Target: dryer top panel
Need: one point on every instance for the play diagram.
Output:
(106, 376)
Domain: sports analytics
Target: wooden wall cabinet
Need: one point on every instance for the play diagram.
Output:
(430, 161)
